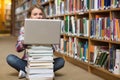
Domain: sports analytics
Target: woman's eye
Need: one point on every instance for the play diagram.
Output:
(40, 14)
(35, 14)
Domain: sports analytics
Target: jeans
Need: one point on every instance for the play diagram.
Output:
(19, 64)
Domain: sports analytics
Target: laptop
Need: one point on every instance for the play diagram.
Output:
(42, 31)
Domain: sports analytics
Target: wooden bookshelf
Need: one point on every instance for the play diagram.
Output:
(80, 11)
(85, 10)
(91, 68)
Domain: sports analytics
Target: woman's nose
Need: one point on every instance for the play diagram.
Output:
(39, 16)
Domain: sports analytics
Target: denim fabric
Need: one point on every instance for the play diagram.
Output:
(19, 64)
(16, 62)
(58, 63)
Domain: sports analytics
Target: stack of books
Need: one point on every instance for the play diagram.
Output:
(40, 63)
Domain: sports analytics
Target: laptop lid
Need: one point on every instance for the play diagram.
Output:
(42, 31)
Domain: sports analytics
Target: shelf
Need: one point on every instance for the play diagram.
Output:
(20, 4)
(100, 11)
(95, 70)
(104, 73)
(79, 13)
(44, 3)
(22, 12)
(115, 9)
(20, 20)
(115, 42)
(100, 40)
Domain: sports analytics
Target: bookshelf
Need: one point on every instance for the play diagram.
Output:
(87, 29)
(8, 17)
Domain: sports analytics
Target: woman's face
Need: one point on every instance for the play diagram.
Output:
(36, 14)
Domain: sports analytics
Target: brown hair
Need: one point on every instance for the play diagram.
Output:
(35, 6)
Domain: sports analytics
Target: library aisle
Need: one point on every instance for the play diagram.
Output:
(69, 72)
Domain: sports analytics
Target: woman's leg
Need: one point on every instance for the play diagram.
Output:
(16, 62)
(58, 63)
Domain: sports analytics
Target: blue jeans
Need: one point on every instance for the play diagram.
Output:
(19, 64)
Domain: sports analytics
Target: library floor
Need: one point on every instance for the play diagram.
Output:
(69, 72)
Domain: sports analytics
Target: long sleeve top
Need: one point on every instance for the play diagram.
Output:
(19, 45)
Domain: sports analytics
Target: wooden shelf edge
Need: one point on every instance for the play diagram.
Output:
(95, 70)
(73, 61)
(104, 73)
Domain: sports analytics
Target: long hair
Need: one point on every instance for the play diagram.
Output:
(35, 6)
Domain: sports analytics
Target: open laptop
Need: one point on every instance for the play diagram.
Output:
(42, 31)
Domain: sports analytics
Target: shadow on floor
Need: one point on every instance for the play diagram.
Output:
(59, 74)
(13, 74)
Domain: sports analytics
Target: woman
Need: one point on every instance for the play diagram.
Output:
(35, 12)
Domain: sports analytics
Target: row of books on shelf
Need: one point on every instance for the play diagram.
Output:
(43, 1)
(18, 25)
(21, 17)
(18, 2)
(22, 8)
(54, 8)
(40, 63)
(108, 59)
(114, 63)
(99, 56)
(74, 49)
(72, 26)
(101, 4)
(79, 6)
(100, 28)
(105, 29)
(34, 2)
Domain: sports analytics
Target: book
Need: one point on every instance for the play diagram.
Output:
(41, 47)
(38, 70)
(40, 76)
(92, 47)
(106, 63)
(39, 63)
(112, 58)
(42, 54)
(42, 67)
(39, 51)
(103, 59)
(117, 62)
(98, 57)
(40, 59)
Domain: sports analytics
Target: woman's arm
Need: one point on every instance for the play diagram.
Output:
(19, 45)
